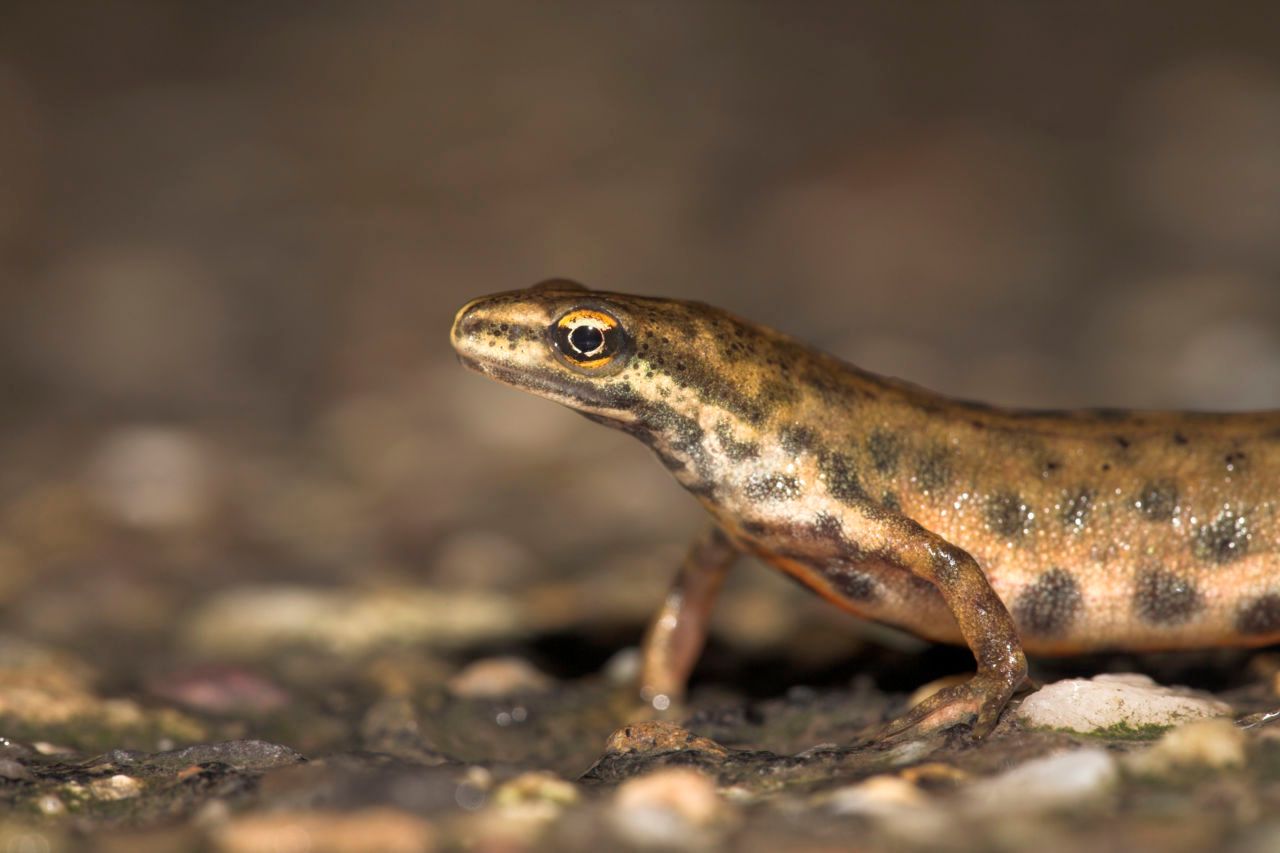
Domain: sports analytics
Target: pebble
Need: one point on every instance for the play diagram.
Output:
(519, 811)
(239, 754)
(153, 477)
(220, 689)
(117, 787)
(1055, 781)
(13, 769)
(494, 678)
(382, 829)
(1215, 743)
(623, 667)
(876, 796)
(898, 807)
(1127, 701)
(668, 808)
(260, 620)
(536, 786)
(51, 804)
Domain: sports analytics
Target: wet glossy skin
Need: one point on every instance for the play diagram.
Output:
(1053, 532)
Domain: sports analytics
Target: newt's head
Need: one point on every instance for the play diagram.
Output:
(556, 339)
(668, 371)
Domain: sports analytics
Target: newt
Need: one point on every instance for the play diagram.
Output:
(1011, 531)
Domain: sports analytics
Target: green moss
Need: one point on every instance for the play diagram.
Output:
(1117, 731)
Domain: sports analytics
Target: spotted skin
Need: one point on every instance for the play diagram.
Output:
(1008, 530)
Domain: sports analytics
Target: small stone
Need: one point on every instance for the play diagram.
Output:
(876, 796)
(117, 787)
(623, 667)
(897, 806)
(13, 769)
(383, 829)
(258, 621)
(154, 477)
(537, 786)
(240, 754)
(494, 678)
(1213, 743)
(1124, 704)
(671, 807)
(220, 689)
(519, 811)
(1055, 781)
(51, 804)
(658, 736)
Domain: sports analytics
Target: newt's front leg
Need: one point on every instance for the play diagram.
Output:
(987, 629)
(677, 634)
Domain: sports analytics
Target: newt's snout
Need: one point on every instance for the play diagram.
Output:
(466, 323)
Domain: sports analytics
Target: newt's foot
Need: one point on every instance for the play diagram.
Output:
(973, 707)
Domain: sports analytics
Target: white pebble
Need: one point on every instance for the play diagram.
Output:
(117, 787)
(1055, 781)
(674, 807)
(1122, 701)
(494, 678)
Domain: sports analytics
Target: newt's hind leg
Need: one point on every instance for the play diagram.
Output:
(679, 630)
(987, 629)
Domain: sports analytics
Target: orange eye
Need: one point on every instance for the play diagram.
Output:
(587, 337)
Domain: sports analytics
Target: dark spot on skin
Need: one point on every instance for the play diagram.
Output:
(772, 487)
(735, 450)
(1157, 500)
(1260, 616)
(1050, 468)
(851, 583)
(1179, 438)
(933, 469)
(1075, 509)
(776, 394)
(1106, 466)
(668, 434)
(1050, 605)
(890, 501)
(1164, 598)
(884, 448)
(828, 527)
(755, 528)
(841, 478)
(1007, 514)
(1123, 442)
(1234, 460)
(796, 439)
(682, 432)
(1222, 540)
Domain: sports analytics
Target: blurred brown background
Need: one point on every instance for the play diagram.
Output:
(232, 237)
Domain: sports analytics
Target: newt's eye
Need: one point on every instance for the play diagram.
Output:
(587, 337)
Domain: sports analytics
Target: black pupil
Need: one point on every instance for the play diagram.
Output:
(586, 339)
